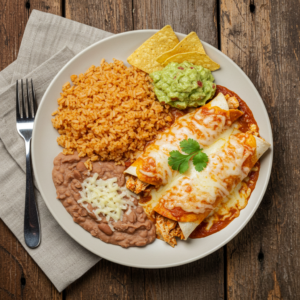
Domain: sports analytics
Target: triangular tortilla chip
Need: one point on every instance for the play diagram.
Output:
(195, 58)
(191, 43)
(145, 56)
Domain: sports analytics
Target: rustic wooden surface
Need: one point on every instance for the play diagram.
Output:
(262, 262)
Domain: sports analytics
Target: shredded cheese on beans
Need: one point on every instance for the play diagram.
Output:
(105, 196)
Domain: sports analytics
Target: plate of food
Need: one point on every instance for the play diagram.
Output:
(152, 149)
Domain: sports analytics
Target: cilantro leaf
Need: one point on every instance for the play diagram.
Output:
(200, 161)
(184, 167)
(180, 162)
(189, 146)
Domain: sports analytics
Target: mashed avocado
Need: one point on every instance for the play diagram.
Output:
(183, 85)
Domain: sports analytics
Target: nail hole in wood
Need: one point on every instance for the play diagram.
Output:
(27, 4)
(260, 256)
(23, 281)
(252, 7)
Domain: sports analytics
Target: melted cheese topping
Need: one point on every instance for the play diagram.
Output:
(199, 191)
(236, 201)
(156, 194)
(204, 126)
(106, 197)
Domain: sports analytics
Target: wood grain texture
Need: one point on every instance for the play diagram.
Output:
(110, 15)
(14, 15)
(199, 280)
(20, 277)
(263, 260)
(184, 16)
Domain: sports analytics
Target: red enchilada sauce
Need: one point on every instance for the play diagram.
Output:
(245, 122)
(247, 119)
(177, 212)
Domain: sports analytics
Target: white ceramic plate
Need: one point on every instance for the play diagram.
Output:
(45, 148)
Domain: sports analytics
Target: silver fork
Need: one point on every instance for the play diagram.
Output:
(25, 113)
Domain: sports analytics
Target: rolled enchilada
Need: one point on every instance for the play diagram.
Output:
(196, 194)
(159, 202)
(204, 125)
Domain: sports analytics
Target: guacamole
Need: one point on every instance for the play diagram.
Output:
(183, 85)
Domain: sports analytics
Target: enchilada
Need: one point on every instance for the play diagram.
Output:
(174, 222)
(204, 125)
(196, 194)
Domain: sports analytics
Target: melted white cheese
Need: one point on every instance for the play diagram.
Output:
(106, 197)
(202, 127)
(156, 194)
(236, 201)
(198, 192)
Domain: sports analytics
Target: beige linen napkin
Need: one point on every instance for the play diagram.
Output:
(49, 42)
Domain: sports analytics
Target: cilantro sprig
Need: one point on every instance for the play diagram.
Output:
(180, 162)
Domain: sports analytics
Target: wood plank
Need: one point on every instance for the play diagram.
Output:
(113, 15)
(20, 277)
(199, 280)
(263, 260)
(108, 281)
(202, 279)
(13, 18)
(184, 16)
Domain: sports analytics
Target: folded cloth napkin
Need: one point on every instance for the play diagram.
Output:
(49, 42)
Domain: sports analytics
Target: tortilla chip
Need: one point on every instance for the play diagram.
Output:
(145, 56)
(195, 58)
(191, 43)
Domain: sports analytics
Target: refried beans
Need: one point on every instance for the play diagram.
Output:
(69, 171)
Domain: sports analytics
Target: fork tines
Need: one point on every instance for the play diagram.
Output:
(26, 108)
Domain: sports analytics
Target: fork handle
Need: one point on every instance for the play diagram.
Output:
(31, 219)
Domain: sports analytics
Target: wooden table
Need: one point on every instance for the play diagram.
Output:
(262, 262)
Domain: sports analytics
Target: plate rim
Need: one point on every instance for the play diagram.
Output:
(168, 265)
